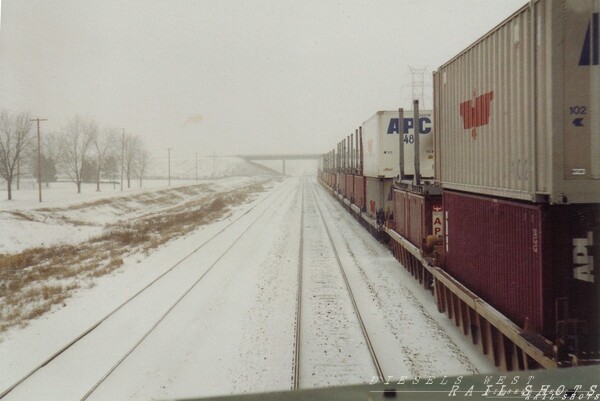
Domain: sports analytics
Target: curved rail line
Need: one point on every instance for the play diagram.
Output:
(351, 294)
(280, 191)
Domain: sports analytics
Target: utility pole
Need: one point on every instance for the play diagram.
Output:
(39, 156)
(214, 158)
(122, 157)
(169, 150)
(196, 166)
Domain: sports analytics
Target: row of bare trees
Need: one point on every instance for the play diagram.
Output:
(81, 151)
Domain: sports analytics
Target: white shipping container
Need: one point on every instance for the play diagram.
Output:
(379, 195)
(517, 114)
(381, 147)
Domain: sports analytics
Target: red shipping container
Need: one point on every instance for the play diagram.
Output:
(522, 257)
(342, 188)
(416, 216)
(400, 205)
(349, 186)
(360, 190)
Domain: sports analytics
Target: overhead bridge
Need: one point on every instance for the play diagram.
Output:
(283, 157)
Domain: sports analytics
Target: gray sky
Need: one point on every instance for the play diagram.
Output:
(255, 76)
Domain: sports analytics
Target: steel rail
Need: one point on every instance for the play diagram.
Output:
(134, 296)
(351, 294)
(296, 366)
(172, 307)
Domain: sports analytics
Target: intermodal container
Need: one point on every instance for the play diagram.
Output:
(417, 216)
(378, 195)
(523, 257)
(349, 186)
(381, 146)
(342, 184)
(360, 189)
(517, 114)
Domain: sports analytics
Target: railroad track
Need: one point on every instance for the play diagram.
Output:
(296, 370)
(273, 197)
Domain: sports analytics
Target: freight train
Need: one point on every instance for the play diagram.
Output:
(492, 199)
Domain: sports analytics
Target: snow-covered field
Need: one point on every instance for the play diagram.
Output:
(222, 319)
(66, 216)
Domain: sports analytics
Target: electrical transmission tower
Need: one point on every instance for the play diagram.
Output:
(418, 84)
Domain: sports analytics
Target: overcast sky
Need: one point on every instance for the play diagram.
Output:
(235, 77)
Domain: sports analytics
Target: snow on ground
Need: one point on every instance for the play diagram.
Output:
(234, 331)
(68, 217)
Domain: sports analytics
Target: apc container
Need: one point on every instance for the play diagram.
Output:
(378, 195)
(381, 147)
(517, 114)
(416, 216)
(522, 257)
(360, 190)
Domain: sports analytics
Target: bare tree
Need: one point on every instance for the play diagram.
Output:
(76, 141)
(104, 145)
(140, 163)
(132, 145)
(15, 137)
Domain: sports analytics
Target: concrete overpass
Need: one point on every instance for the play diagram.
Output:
(283, 157)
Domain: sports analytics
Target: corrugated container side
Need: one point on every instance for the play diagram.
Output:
(572, 244)
(519, 257)
(349, 186)
(359, 191)
(400, 212)
(342, 184)
(518, 112)
(379, 195)
(380, 134)
(420, 216)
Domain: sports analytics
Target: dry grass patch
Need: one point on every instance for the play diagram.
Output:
(34, 280)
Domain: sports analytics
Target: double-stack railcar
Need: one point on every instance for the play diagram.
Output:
(503, 219)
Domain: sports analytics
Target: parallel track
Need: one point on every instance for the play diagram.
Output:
(296, 368)
(78, 338)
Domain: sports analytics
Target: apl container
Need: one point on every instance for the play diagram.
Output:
(522, 257)
(517, 114)
(381, 147)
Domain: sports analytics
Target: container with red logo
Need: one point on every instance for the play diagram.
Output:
(525, 258)
(517, 114)
(381, 148)
(378, 195)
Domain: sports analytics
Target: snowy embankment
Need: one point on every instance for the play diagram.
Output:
(222, 320)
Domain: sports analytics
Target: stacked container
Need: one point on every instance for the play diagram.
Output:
(517, 148)
(380, 136)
